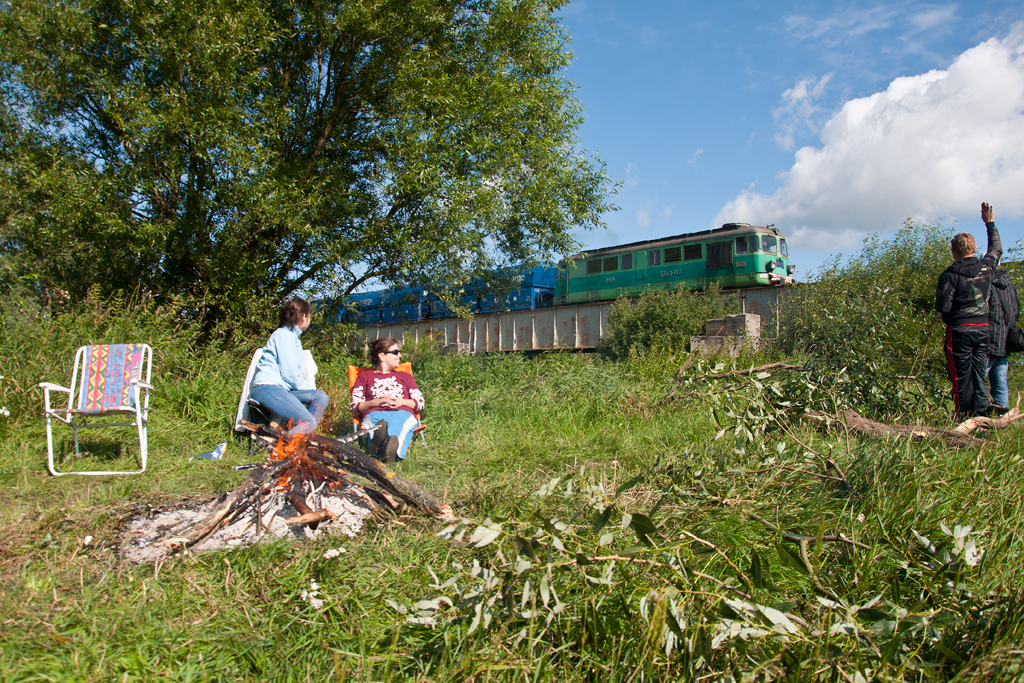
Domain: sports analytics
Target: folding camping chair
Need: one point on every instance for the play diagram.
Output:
(353, 375)
(248, 409)
(108, 379)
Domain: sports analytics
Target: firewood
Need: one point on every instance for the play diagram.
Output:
(225, 511)
(310, 518)
(358, 462)
(351, 459)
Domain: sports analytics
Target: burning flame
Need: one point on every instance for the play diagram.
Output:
(284, 449)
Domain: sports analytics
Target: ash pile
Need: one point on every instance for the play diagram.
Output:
(303, 489)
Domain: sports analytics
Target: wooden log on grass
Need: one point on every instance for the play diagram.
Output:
(959, 436)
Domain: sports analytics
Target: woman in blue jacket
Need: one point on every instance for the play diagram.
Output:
(279, 384)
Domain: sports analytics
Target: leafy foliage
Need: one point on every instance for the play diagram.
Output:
(228, 150)
(663, 319)
(599, 538)
(873, 319)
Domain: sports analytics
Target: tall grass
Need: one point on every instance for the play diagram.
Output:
(603, 535)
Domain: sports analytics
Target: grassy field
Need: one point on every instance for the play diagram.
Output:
(603, 535)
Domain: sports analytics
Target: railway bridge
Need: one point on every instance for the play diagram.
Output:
(575, 326)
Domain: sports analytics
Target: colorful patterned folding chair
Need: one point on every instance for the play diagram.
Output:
(112, 379)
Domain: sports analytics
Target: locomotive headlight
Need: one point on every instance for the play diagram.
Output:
(790, 270)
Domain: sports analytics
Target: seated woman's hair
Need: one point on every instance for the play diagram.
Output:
(293, 312)
(378, 346)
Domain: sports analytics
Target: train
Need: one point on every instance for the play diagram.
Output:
(734, 256)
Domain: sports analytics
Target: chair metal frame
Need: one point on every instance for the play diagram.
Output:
(76, 419)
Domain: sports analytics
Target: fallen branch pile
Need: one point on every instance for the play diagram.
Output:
(672, 395)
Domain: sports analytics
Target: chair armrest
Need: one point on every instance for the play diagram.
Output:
(53, 387)
(144, 385)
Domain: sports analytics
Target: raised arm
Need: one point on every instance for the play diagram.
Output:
(995, 246)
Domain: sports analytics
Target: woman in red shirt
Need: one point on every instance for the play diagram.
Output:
(384, 393)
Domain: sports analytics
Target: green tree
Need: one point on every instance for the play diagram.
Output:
(225, 149)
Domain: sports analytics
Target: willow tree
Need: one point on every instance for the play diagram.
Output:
(222, 148)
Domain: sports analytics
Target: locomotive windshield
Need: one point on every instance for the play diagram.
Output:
(783, 248)
(768, 244)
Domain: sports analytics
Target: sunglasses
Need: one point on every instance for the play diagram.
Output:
(396, 352)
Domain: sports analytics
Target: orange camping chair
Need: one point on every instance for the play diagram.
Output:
(353, 374)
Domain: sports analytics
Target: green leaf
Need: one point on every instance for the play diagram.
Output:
(525, 547)
(757, 567)
(629, 484)
(790, 558)
(869, 614)
(643, 525)
(602, 519)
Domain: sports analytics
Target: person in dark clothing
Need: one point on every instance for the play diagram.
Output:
(1003, 314)
(961, 296)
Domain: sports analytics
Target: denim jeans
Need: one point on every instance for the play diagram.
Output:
(998, 369)
(300, 410)
(400, 424)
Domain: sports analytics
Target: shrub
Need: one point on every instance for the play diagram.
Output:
(874, 316)
(664, 319)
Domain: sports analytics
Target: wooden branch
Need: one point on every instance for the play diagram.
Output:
(680, 569)
(968, 426)
(358, 462)
(734, 373)
(866, 427)
(310, 518)
(224, 511)
(797, 538)
(760, 368)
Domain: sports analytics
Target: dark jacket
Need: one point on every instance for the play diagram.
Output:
(1003, 312)
(961, 295)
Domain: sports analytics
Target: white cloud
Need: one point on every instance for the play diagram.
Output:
(643, 217)
(928, 147)
(696, 155)
(666, 215)
(798, 110)
(933, 17)
(632, 177)
(842, 24)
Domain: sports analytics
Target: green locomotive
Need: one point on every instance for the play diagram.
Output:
(735, 255)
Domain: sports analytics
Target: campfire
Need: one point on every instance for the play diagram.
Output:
(304, 483)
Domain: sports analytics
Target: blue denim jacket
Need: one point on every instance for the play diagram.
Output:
(282, 360)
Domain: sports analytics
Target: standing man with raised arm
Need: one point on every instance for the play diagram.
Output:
(961, 296)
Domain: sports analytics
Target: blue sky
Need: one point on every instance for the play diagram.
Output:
(830, 120)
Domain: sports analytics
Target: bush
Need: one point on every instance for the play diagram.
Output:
(664, 319)
(874, 316)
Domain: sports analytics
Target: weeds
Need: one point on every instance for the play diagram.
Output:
(602, 536)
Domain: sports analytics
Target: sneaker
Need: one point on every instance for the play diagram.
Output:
(998, 409)
(380, 436)
(390, 451)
